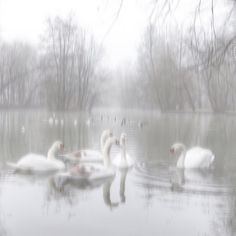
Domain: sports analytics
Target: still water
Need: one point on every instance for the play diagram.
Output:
(153, 198)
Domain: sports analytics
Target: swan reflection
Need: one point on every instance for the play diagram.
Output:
(65, 187)
(123, 175)
(106, 190)
(191, 179)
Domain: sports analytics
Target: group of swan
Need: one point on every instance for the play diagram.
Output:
(123, 121)
(88, 155)
(121, 160)
(94, 165)
(53, 120)
(86, 168)
(93, 171)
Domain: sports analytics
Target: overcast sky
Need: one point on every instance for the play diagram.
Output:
(25, 20)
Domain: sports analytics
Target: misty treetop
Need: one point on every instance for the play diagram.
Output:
(190, 66)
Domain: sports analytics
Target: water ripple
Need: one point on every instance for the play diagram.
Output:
(159, 175)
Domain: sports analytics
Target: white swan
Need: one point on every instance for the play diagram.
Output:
(89, 121)
(50, 121)
(75, 122)
(123, 159)
(22, 129)
(91, 172)
(195, 157)
(39, 163)
(87, 155)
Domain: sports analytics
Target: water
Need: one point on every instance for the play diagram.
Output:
(153, 198)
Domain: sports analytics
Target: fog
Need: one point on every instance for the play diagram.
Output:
(117, 117)
(181, 52)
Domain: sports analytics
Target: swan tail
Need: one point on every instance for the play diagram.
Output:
(212, 158)
(18, 169)
(12, 165)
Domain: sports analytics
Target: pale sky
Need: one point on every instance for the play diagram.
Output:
(25, 20)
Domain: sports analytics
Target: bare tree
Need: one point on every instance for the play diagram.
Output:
(17, 74)
(161, 62)
(70, 60)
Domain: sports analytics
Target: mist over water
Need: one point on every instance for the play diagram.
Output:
(151, 198)
(162, 72)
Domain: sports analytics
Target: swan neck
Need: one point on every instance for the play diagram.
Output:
(106, 155)
(52, 153)
(123, 153)
(102, 141)
(181, 159)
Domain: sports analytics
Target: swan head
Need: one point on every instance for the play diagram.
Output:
(123, 138)
(107, 148)
(109, 142)
(113, 140)
(177, 148)
(57, 146)
(107, 133)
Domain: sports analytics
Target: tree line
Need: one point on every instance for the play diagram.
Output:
(178, 68)
(60, 75)
(190, 68)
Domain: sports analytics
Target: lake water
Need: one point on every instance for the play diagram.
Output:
(153, 198)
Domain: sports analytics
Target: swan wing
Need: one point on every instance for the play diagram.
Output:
(130, 160)
(85, 155)
(198, 157)
(12, 165)
(120, 162)
(35, 162)
(102, 174)
(91, 156)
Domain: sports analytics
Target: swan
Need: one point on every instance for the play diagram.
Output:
(91, 172)
(141, 124)
(22, 129)
(88, 122)
(123, 122)
(87, 155)
(196, 157)
(75, 122)
(50, 121)
(123, 159)
(39, 163)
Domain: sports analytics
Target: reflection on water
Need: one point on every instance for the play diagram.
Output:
(152, 198)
